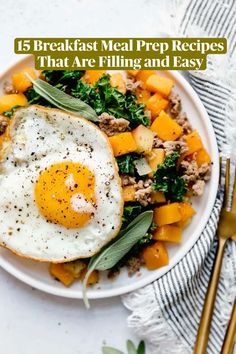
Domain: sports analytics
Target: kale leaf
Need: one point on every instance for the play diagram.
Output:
(102, 97)
(10, 113)
(168, 180)
(126, 163)
(64, 77)
(34, 98)
(89, 95)
(130, 212)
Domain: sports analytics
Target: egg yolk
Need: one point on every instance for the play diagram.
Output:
(64, 194)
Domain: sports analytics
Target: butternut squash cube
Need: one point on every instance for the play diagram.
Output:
(169, 233)
(117, 81)
(155, 158)
(144, 139)
(20, 82)
(75, 268)
(157, 197)
(93, 278)
(123, 143)
(186, 211)
(143, 75)
(159, 84)
(133, 72)
(129, 193)
(166, 128)
(167, 214)
(156, 103)
(92, 76)
(142, 96)
(202, 157)
(7, 102)
(58, 271)
(194, 142)
(155, 256)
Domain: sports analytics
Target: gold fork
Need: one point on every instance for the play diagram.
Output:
(226, 230)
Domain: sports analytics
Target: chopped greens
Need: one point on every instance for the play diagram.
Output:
(168, 180)
(130, 212)
(126, 163)
(34, 98)
(64, 77)
(102, 97)
(10, 113)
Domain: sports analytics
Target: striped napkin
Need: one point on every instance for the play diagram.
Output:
(166, 313)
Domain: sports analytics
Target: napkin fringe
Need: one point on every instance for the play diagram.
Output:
(148, 322)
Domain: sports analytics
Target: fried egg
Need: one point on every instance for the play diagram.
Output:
(61, 195)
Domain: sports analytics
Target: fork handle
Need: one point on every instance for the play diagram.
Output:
(205, 322)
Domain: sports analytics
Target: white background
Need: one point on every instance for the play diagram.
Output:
(30, 321)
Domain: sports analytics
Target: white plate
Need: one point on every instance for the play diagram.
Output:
(36, 274)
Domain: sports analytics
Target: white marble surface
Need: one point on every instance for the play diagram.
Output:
(30, 321)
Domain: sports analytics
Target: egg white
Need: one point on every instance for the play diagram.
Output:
(40, 137)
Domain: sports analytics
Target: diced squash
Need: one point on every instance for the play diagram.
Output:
(167, 214)
(166, 128)
(144, 139)
(75, 268)
(202, 157)
(117, 81)
(160, 84)
(58, 271)
(157, 197)
(143, 75)
(129, 193)
(20, 82)
(155, 256)
(155, 158)
(7, 102)
(92, 76)
(186, 211)
(93, 278)
(133, 72)
(143, 96)
(169, 233)
(194, 142)
(156, 104)
(123, 143)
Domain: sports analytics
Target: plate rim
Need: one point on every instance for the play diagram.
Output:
(107, 293)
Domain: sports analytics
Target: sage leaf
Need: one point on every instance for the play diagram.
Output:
(131, 347)
(141, 348)
(113, 253)
(118, 249)
(110, 350)
(62, 100)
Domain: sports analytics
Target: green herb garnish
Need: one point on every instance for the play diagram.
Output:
(130, 348)
(111, 254)
(62, 100)
(168, 180)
